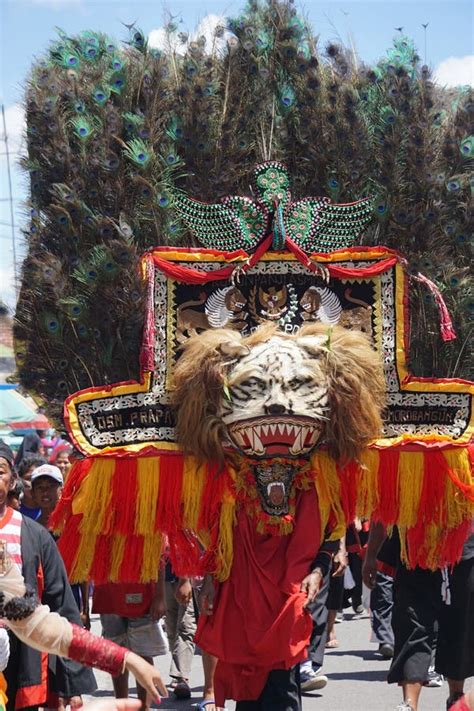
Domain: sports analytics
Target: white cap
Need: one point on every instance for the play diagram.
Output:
(48, 470)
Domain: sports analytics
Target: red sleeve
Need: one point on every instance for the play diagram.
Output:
(92, 651)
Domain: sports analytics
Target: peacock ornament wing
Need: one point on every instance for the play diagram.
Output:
(319, 225)
(234, 223)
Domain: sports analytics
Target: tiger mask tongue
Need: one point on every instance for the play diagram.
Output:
(274, 482)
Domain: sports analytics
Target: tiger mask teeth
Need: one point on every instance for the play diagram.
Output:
(282, 436)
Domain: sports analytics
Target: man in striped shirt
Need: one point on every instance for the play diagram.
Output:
(34, 551)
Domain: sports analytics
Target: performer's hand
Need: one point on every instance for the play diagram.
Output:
(75, 702)
(86, 620)
(184, 591)
(369, 572)
(206, 598)
(147, 676)
(339, 563)
(311, 585)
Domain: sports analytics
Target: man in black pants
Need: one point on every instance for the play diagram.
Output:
(311, 678)
(381, 599)
(424, 599)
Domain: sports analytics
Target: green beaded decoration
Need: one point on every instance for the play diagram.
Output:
(314, 224)
(272, 184)
(237, 223)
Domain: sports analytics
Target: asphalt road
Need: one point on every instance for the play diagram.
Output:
(356, 678)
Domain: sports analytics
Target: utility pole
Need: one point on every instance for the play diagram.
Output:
(10, 200)
(425, 27)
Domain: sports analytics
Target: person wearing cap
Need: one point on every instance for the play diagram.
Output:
(24, 471)
(47, 482)
(33, 550)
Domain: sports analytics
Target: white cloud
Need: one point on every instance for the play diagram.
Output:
(160, 39)
(455, 71)
(16, 126)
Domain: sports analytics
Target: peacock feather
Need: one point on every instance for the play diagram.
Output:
(131, 147)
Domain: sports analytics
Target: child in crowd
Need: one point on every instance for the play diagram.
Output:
(130, 615)
(47, 483)
(28, 506)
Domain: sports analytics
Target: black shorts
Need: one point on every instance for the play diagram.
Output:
(455, 651)
(336, 593)
(422, 620)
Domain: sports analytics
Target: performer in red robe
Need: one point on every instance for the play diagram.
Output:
(258, 625)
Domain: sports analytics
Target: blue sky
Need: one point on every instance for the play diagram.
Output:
(27, 26)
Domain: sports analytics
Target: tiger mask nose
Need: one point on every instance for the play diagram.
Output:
(275, 408)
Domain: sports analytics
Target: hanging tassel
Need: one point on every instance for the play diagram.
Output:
(460, 472)
(147, 353)
(216, 483)
(123, 507)
(127, 559)
(225, 544)
(152, 553)
(445, 323)
(169, 514)
(453, 544)
(148, 483)
(100, 565)
(93, 501)
(64, 510)
(388, 483)
(328, 488)
(194, 477)
(68, 543)
(432, 505)
(367, 499)
(411, 469)
(349, 475)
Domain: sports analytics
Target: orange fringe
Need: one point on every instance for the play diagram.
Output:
(116, 516)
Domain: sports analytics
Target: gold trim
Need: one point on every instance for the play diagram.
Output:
(187, 256)
(112, 391)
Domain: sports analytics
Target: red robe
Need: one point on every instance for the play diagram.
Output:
(259, 623)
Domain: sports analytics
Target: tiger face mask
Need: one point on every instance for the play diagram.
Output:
(277, 398)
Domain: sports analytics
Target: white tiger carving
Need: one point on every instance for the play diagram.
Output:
(278, 397)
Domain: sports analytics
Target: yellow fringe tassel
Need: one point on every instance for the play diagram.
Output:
(368, 494)
(152, 552)
(194, 478)
(328, 489)
(118, 550)
(225, 543)
(433, 540)
(93, 501)
(148, 477)
(411, 469)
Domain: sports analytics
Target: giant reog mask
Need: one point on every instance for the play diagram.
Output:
(273, 397)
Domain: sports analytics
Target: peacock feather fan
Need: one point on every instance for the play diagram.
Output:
(123, 137)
